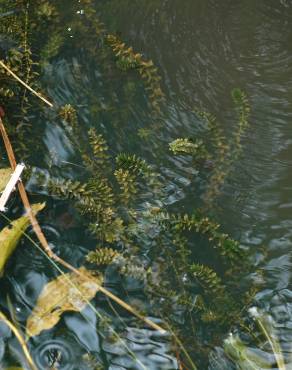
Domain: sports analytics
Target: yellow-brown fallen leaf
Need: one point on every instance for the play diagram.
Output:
(68, 292)
(5, 174)
(10, 235)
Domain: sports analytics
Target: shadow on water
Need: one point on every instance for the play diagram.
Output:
(203, 49)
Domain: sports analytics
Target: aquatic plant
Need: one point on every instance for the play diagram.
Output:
(127, 59)
(117, 195)
(110, 202)
(223, 149)
(186, 146)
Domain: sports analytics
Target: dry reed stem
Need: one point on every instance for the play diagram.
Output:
(25, 84)
(44, 243)
(20, 340)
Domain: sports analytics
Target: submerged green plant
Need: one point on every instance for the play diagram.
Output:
(120, 197)
(185, 146)
(110, 201)
(223, 152)
(102, 256)
(127, 59)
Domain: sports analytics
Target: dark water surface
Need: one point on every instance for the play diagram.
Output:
(203, 49)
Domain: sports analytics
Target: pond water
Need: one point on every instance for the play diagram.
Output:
(203, 49)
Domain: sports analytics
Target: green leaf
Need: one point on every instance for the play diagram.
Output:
(10, 235)
(68, 292)
(5, 174)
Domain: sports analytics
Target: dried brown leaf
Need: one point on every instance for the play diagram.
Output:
(68, 292)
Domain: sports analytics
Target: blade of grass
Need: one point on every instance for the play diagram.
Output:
(265, 327)
(182, 347)
(20, 340)
(25, 84)
(274, 345)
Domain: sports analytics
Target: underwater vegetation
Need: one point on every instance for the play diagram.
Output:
(117, 199)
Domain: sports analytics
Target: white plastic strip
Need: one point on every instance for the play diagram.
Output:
(10, 186)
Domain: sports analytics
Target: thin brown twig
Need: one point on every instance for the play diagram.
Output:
(44, 243)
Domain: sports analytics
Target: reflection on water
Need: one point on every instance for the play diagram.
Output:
(203, 48)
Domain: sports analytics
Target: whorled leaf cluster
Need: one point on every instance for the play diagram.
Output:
(220, 150)
(127, 59)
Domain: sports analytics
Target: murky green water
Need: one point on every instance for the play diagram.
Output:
(203, 49)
